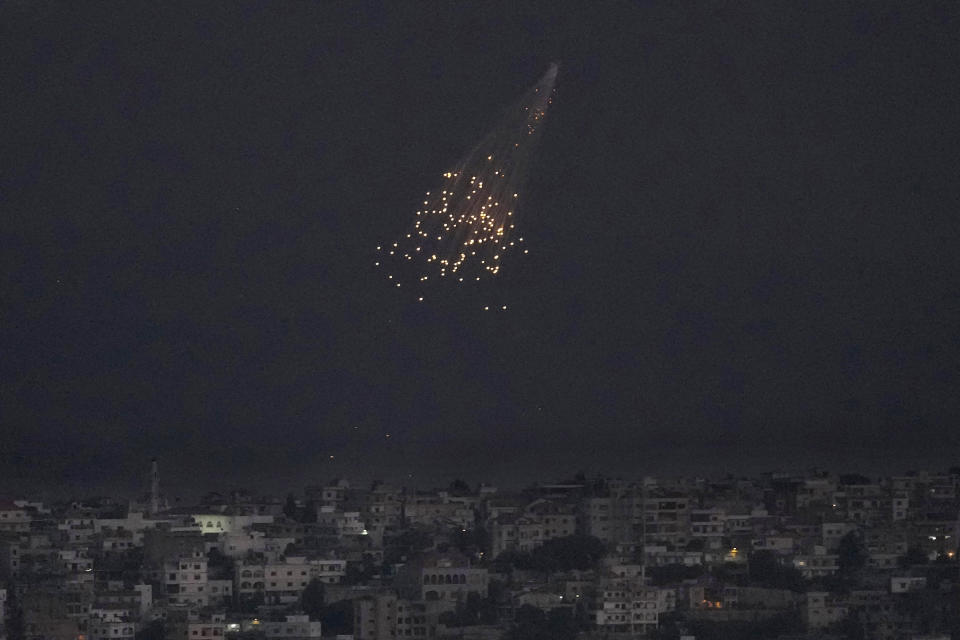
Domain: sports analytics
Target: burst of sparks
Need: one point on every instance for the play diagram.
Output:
(465, 229)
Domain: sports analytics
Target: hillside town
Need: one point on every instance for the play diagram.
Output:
(789, 557)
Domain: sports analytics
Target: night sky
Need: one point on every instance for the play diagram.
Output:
(742, 222)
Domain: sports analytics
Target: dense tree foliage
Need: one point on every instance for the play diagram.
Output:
(459, 488)
(766, 570)
(852, 556)
(313, 599)
(220, 566)
(13, 624)
(673, 573)
(472, 611)
(469, 541)
(290, 507)
(409, 542)
(360, 574)
(531, 623)
(154, 630)
(772, 627)
(913, 556)
(559, 554)
(337, 618)
(695, 544)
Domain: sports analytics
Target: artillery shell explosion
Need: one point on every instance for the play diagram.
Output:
(466, 227)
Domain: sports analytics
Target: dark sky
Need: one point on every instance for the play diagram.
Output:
(743, 223)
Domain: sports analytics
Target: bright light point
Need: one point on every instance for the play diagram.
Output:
(486, 308)
(504, 307)
(420, 298)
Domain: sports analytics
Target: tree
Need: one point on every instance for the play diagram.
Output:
(765, 569)
(471, 540)
(313, 598)
(309, 513)
(600, 488)
(913, 556)
(474, 610)
(359, 575)
(559, 554)
(337, 618)
(696, 544)
(771, 627)
(673, 573)
(850, 628)
(531, 623)
(459, 488)
(155, 630)
(290, 507)
(220, 566)
(851, 556)
(14, 623)
(409, 542)
(250, 603)
(528, 624)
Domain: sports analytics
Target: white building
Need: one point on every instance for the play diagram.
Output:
(76, 529)
(446, 577)
(660, 555)
(209, 626)
(220, 592)
(540, 521)
(294, 627)
(440, 508)
(823, 609)
(781, 545)
(110, 624)
(346, 523)
(134, 523)
(13, 517)
(375, 617)
(818, 564)
(627, 606)
(284, 582)
(906, 584)
(833, 533)
(238, 544)
(224, 523)
(707, 525)
(75, 560)
(185, 581)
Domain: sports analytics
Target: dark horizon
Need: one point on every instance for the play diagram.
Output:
(186, 490)
(742, 225)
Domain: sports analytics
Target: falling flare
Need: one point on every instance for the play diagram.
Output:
(465, 227)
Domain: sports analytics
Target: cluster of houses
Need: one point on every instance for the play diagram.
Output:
(811, 556)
